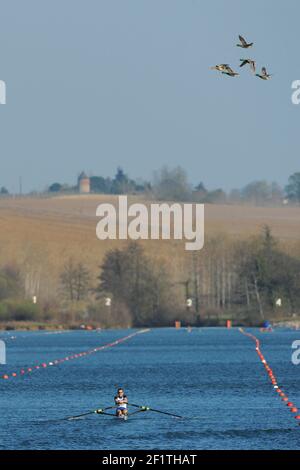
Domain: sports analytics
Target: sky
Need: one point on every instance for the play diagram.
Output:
(97, 84)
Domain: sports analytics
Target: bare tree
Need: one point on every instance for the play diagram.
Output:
(133, 279)
(75, 280)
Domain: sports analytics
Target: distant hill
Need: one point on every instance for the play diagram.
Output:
(52, 229)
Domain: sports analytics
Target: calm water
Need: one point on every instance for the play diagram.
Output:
(210, 373)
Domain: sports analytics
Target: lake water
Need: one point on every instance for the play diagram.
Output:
(212, 376)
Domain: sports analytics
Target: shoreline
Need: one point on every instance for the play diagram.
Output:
(33, 326)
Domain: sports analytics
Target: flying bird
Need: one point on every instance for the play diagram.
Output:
(231, 73)
(250, 62)
(244, 44)
(220, 68)
(264, 75)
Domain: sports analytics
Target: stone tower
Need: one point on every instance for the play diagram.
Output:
(84, 184)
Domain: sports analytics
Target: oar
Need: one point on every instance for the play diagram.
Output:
(147, 408)
(99, 411)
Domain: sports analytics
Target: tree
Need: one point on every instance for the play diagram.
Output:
(257, 192)
(10, 282)
(121, 184)
(293, 188)
(277, 194)
(4, 191)
(100, 185)
(267, 273)
(75, 280)
(200, 192)
(55, 188)
(218, 196)
(172, 185)
(131, 278)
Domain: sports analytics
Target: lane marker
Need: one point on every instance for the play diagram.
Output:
(44, 365)
(278, 389)
(11, 337)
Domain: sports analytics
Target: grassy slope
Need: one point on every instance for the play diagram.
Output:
(48, 231)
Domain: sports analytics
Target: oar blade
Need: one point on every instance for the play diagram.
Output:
(147, 408)
(167, 413)
(99, 411)
(70, 418)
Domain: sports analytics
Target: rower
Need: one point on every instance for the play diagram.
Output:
(121, 402)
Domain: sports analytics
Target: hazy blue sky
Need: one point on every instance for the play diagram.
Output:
(93, 84)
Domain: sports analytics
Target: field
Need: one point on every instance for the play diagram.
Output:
(58, 227)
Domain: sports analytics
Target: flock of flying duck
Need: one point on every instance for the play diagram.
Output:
(227, 70)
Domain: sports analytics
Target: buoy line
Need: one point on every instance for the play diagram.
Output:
(278, 389)
(11, 337)
(44, 365)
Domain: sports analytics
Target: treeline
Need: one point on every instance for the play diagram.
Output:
(173, 185)
(247, 281)
(119, 184)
